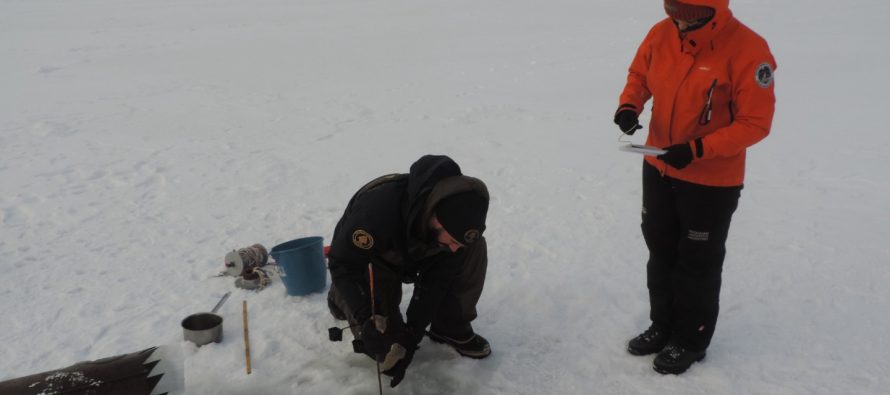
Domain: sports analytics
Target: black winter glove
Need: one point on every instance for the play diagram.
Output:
(397, 372)
(679, 156)
(628, 121)
(374, 342)
(400, 356)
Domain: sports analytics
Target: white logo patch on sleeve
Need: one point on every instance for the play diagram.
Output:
(764, 75)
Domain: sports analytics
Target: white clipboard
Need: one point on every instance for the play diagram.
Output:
(642, 149)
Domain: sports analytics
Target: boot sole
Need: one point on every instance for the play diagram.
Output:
(676, 370)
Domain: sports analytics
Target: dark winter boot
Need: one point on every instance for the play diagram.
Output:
(649, 342)
(474, 347)
(675, 359)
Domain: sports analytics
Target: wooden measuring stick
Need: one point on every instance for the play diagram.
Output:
(246, 339)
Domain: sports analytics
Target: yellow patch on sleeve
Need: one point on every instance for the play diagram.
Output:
(362, 239)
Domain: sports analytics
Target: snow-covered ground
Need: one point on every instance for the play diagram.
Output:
(141, 140)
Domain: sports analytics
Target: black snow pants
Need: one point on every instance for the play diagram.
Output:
(685, 226)
(457, 308)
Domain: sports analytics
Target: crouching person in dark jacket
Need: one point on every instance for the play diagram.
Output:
(425, 228)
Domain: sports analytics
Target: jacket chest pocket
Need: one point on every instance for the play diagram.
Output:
(707, 97)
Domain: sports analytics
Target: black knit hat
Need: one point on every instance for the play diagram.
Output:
(463, 216)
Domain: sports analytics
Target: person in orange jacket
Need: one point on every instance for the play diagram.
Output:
(710, 79)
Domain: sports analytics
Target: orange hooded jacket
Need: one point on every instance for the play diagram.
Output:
(713, 83)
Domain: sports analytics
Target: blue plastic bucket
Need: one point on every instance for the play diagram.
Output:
(303, 264)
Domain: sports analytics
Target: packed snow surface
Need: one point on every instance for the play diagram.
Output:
(140, 141)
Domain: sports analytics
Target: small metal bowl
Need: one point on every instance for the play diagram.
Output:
(202, 328)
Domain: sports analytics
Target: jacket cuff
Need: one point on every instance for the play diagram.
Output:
(698, 148)
(626, 106)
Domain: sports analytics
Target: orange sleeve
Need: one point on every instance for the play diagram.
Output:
(636, 91)
(753, 104)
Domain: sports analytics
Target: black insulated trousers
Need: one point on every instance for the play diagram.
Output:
(685, 226)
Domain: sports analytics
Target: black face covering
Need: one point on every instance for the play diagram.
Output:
(695, 25)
